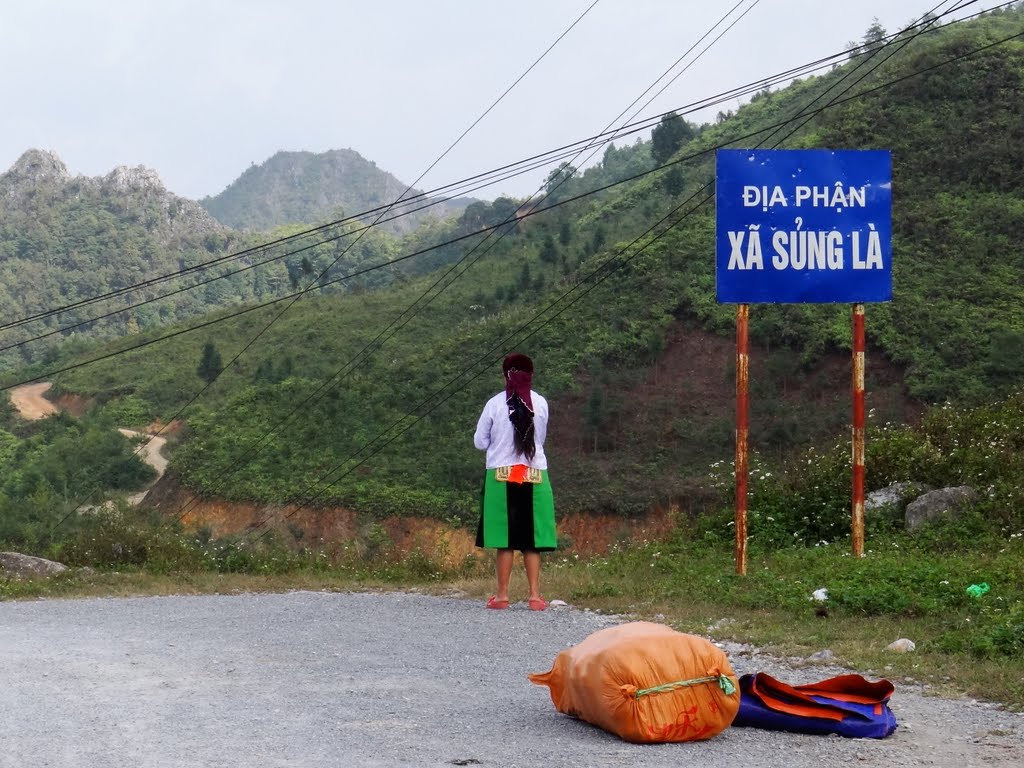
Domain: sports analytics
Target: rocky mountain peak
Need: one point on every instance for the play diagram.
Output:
(40, 165)
(39, 180)
(137, 178)
(35, 168)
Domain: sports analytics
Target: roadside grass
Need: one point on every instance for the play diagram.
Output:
(889, 594)
(901, 588)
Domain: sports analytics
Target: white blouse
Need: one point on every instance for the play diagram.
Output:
(495, 434)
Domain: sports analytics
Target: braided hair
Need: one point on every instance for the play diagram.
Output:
(518, 371)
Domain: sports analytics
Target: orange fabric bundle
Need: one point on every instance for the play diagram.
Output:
(645, 682)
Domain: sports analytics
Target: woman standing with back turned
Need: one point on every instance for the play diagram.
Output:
(517, 508)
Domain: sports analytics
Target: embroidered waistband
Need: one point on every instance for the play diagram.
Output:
(518, 473)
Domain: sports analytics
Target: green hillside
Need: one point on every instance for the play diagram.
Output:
(638, 365)
(65, 240)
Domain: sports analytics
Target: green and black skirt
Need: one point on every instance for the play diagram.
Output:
(516, 515)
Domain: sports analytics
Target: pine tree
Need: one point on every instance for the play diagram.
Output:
(210, 364)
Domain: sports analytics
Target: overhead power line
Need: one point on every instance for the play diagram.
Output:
(677, 161)
(884, 85)
(429, 294)
(752, 88)
(434, 399)
(428, 199)
(444, 154)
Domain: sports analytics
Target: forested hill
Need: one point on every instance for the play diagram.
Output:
(65, 240)
(636, 361)
(312, 188)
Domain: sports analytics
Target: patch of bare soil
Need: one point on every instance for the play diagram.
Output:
(685, 403)
(76, 405)
(30, 402)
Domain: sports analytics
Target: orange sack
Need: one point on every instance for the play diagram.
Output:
(645, 682)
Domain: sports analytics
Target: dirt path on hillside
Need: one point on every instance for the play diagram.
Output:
(28, 399)
(152, 454)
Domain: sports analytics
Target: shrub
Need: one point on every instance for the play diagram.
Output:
(122, 537)
(807, 501)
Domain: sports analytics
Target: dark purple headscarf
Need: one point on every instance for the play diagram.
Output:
(518, 370)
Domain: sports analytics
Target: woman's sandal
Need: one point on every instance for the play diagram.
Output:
(496, 604)
(537, 604)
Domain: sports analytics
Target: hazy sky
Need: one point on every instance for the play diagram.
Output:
(200, 89)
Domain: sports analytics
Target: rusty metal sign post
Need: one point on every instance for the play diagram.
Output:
(742, 421)
(859, 440)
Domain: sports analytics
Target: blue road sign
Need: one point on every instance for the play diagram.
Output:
(803, 226)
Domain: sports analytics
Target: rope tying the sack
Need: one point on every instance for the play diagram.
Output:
(724, 682)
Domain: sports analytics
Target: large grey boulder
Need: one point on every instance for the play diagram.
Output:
(15, 565)
(895, 497)
(940, 504)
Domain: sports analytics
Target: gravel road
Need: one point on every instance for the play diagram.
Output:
(370, 679)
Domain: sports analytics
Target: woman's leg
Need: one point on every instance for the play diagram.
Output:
(503, 566)
(532, 562)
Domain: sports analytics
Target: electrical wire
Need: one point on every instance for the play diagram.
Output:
(444, 154)
(927, 69)
(481, 180)
(455, 240)
(550, 159)
(432, 399)
(452, 241)
(400, 200)
(459, 188)
(426, 296)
